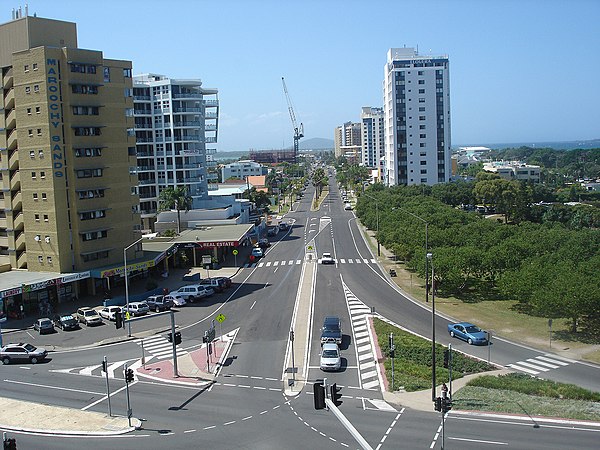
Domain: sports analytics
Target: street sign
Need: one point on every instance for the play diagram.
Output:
(127, 316)
(310, 247)
(221, 318)
(235, 252)
(206, 259)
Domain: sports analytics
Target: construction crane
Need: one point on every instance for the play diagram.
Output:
(298, 130)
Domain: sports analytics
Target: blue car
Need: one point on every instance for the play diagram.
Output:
(468, 332)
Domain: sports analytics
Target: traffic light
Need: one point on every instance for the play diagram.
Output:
(104, 364)
(10, 444)
(335, 395)
(118, 320)
(446, 358)
(446, 405)
(319, 395)
(177, 337)
(392, 352)
(438, 404)
(129, 375)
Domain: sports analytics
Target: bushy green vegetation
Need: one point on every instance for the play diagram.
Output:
(412, 363)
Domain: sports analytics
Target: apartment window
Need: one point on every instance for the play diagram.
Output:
(422, 144)
(423, 180)
(49, 259)
(84, 89)
(37, 217)
(106, 72)
(423, 171)
(32, 154)
(45, 217)
(35, 66)
(26, 68)
(420, 72)
(43, 175)
(421, 127)
(35, 196)
(421, 81)
(127, 73)
(89, 215)
(87, 131)
(83, 68)
(87, 152)
(85, 110)
(89, 173)
(41, 259)
(30, 132)
(95, 256)
(28, 111)
(92, 193)
(41, 154)
(36, 88)
(422, 136)
(421, 99)
(33, 175)
(94, 235)
(28, 89)
(421, 109)
(128, 92)
(44, 196)
(421, 91)
(421, 117)
(423, 163)
(38, 110)
(39, 131)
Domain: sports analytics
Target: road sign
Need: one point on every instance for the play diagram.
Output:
(127, 315)
(310, 248)
(221, 318)
(206, 259)
(235, 252)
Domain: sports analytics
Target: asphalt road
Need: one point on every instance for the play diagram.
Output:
(246, 406)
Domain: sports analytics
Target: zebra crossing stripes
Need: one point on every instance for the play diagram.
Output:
(159, 347)
(539, 364)
(367, 365)
(96, 370)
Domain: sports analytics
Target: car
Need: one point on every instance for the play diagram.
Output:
(257, 252)
(194, 292)
(21, 353)
(263, 243)
(136, 308)
(284, 226)
(330, 357)
(159, 303)
(212, 283)
(110, 312)
(66, 322)
(332, 330)
(327, 259)
(88, 316)
(468, 332)
(177, 299)
(348, 207)
(43, 325)
(272, 231)
(225, 282)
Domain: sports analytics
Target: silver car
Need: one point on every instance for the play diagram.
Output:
(137, 308)
(330, 357)
(22, 353)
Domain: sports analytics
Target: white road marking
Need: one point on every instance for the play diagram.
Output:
(479, 441)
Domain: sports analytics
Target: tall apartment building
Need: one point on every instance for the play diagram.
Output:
(373, 137)
(347, 139)
(68, 199)
(174, 120)
(416, 94)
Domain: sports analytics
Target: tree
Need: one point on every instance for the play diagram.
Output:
(177, 198)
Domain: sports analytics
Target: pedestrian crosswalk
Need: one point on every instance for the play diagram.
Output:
(159, 347)
(114, 369)
(367, 362)
(540, 364)
(293, 262)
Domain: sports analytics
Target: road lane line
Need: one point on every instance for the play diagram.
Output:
(479, 441)
(104, 397)
(53, 387)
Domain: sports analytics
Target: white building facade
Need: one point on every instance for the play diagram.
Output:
(241, 170)
(346, 138)
(373, 137)
(175, 119)
(416, 94)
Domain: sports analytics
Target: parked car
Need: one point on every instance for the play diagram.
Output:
(332, 330)
(110, 312)
(225, 282)
(136, 308)
(43, 325)
(21, 353)
(159, 303)
(212, 283)
(348, 207)
(177, 299)
(468, 332)
(330, 357)
(272, 231)
(263, 243)
(327, 259)
(88, 316)
(284, 226)
(194, 292)
(67, 322)
(257, 252)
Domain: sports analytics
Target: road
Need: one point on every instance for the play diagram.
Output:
(247, 405)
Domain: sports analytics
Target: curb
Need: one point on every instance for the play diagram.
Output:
(42, 432)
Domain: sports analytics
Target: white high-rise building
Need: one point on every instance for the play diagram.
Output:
(373, 138)
(347, 139)
(174, 121)
(416, 94)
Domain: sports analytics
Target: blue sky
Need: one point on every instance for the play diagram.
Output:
(520, 71)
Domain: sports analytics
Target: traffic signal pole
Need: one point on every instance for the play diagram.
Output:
(129, 412)
(105, 369)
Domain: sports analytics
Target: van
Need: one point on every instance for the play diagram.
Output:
(194, 292)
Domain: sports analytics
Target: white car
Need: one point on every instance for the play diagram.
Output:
(176, 298)
(257, 252)
(137, 308)
(330, 357)
(348, 207)
(327, 259)
(110, 312)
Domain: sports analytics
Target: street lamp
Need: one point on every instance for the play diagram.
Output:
(426, 248)
(429, 257)
(377, 214)
(126, 281)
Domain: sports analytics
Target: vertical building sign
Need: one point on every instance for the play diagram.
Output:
(56, 119)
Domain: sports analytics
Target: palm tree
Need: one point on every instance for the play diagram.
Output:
(177, 198)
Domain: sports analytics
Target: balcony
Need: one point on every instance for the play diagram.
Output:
(19, 240)
(22, 260)
(139, 112)
(188, 95)
(9, 99)
(15, 181)
(162, 111)
(210, 127)
(146, 182)
(3, 239)
(210, 103)
(11, 139)
(210, 140)
(7, 81)
(145, 98)
(13, 160)
(17, 201)
(18, 223)
(11, 119)
(182, 124)
(187, 137)
(187, 110)
(142, 126)
(211, 115)
(144, 140)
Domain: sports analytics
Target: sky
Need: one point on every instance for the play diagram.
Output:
(520, 70)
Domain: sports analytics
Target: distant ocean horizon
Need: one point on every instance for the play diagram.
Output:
(557, 145)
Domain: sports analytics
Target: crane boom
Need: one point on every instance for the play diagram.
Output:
(298, 130)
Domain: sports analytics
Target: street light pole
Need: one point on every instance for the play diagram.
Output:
(126, 274)
(377, 215)
(429, 256)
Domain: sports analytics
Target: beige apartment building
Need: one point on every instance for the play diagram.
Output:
(68, 185)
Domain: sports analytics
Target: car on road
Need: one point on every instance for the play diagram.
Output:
(225, 282)
(212, 283)
(327, 259)
(88, 316)
(176, 298)
(136, 308)
(272, 231)
(194, 292)
(257, 252)
(263, 243)
(332, 330)
(66, 322)
(43, 325)
(468, 332)
(110, 312)
(21, 353)
(159, 303)
(284, 226)
(330, 357)
(348, 207)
